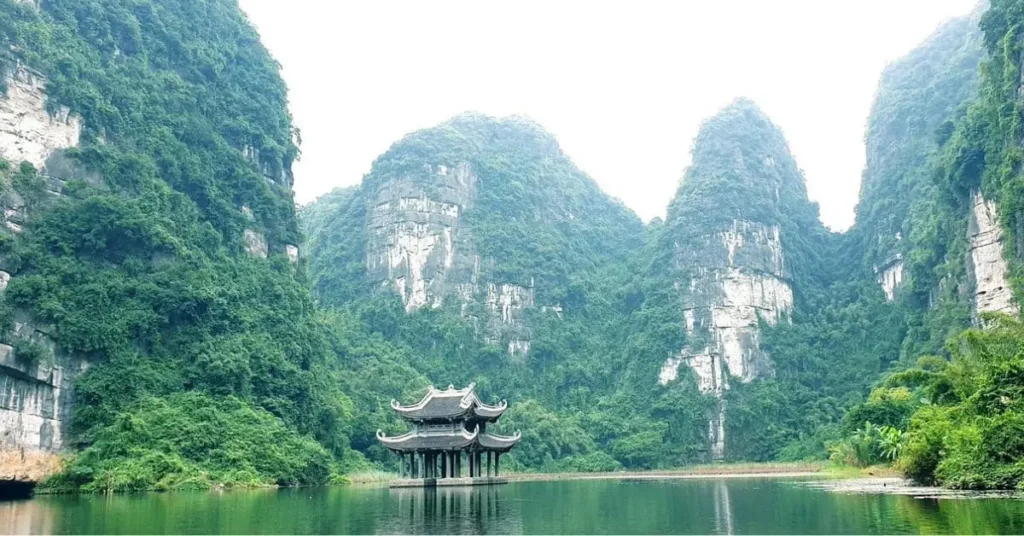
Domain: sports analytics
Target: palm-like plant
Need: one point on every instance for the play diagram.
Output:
(890, 442)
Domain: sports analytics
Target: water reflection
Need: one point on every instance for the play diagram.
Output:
(722, 506)
(723, 509)
(453, 510)
(26, 517)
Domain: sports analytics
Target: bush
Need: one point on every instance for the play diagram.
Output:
(194, 441)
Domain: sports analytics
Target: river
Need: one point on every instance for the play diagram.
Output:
(721, 506)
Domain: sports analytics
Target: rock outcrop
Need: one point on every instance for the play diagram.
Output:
(988, 268)
(418, 247)
(890, 275)
(732, 274)
(413, 232)
(35, 396)
(29, 131)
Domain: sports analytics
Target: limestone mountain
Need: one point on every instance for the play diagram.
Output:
(739, 238)
(478, 215)
(148, 252)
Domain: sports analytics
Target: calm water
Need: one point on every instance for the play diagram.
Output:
(740, 506)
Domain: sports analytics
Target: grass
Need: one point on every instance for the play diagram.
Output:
(847, 471)
(719, 469)
(371, 476)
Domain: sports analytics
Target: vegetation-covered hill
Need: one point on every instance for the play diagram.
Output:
(140, 267)
(955, 418)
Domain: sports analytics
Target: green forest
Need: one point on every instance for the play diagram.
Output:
(477, 251)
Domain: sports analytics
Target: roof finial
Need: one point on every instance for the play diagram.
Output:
(451, 387)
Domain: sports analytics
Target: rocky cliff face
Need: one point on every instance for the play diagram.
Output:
(987, 267)
(729, 257)
(413, 231)
(916, 95)
(442, 224)
(35, 393)
(29, 131)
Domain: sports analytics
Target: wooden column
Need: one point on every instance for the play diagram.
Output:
(497, 460)
(444, 465)
(488, 463)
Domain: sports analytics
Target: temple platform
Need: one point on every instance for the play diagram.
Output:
(445, 482)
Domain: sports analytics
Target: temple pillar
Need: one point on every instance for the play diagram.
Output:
(488, 463)
(497, 461)
(472, 465)
(444, 465)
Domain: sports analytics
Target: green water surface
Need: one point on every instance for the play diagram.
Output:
(721, 506)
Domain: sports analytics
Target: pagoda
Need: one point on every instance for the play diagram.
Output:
(449, 425)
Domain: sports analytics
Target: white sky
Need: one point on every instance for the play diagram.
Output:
(623, 86)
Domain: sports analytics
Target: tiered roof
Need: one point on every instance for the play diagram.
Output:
(450, 404)
(423, 440)
(448, 407)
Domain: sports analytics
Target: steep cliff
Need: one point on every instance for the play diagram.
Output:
(35, 398)
(918, 97)
(737, 226)
(149, 224)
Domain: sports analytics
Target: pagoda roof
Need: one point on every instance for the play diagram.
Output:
(450, 404)
(462, 440)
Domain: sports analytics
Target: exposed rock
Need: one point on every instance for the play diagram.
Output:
(293, 253)
(518, 348)
(507, 302)
(35, 400)
(738, 280)
(507, 305)
(28, 132)
(418, 247)
(21, 465)
(557, 309)
(890, 275)
(255, 243)
(273, 175)
(414, 228)
(988, 268)
(5, 279)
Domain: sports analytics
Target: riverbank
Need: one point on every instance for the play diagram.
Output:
(820, 469)
(748, 470)
(902, 486)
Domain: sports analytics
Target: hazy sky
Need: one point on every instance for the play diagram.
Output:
(623, 86)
